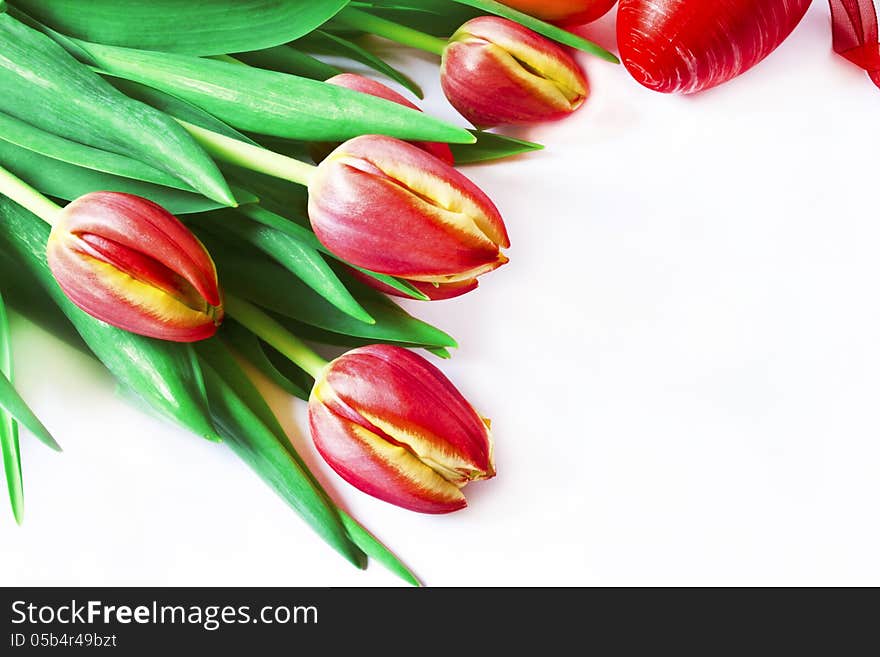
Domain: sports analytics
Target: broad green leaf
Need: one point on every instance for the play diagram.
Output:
(241, 416)
(174, 106)
(206, 27)
(46, 87)
(327, 43)
(271, 103)
(286, 59)
(165, 374)
(274, 288)
(9, 427)
(491, 146)
(67, 181)
(27, 136)
(299, 258)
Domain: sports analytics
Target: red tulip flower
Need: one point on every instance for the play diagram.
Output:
(130, 263)
(390, 207)
(496, 72)
(392, 425)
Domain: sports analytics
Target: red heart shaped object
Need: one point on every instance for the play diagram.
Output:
(685, 46)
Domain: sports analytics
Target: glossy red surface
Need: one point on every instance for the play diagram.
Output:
(685, 46)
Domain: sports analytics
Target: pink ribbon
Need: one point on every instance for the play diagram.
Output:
(855, 34)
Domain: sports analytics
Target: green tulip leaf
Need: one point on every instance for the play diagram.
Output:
(327, 43)
(9, 446)
(252, 349)
(490, 146)
(10, 401)
(375, 549)
(62, 96)
(30, 301)
(250, 429)
(436, 17)
(286, 59)
(296, 255)
(253, 432)
(274, 288)
(67, 181)
(173, 106)
(268, 102)
(45, 143)
(207, 27)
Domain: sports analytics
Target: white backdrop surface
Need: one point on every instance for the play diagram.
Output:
(681, 361)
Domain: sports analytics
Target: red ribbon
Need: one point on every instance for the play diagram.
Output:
(854, 28)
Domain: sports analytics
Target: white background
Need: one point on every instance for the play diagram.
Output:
(682, 362)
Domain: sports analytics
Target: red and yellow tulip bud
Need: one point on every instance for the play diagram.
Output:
(390, 207)
(130, 263)
(392, 425)
(373, 88)
(496, 72)
(563, 12)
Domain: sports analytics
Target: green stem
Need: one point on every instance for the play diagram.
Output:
(266, 328)
(26, 196)
(405, 36)
(249, 156)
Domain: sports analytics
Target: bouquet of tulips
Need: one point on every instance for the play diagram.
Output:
(178, 201)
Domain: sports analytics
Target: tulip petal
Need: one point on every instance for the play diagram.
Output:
(128, 262)
(496, 71)
(391, 424)
(109, 294)
(389, 207)
(400, 394)
(379, 468)
(141, 225)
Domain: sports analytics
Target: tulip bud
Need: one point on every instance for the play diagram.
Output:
(497, 71)
(392, 425)
(128, 262)
(373, 88)
(390, 207)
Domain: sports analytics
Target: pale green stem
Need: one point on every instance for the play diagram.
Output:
(27, 197)
(270, 331)
(405, 36)
(255, 158)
